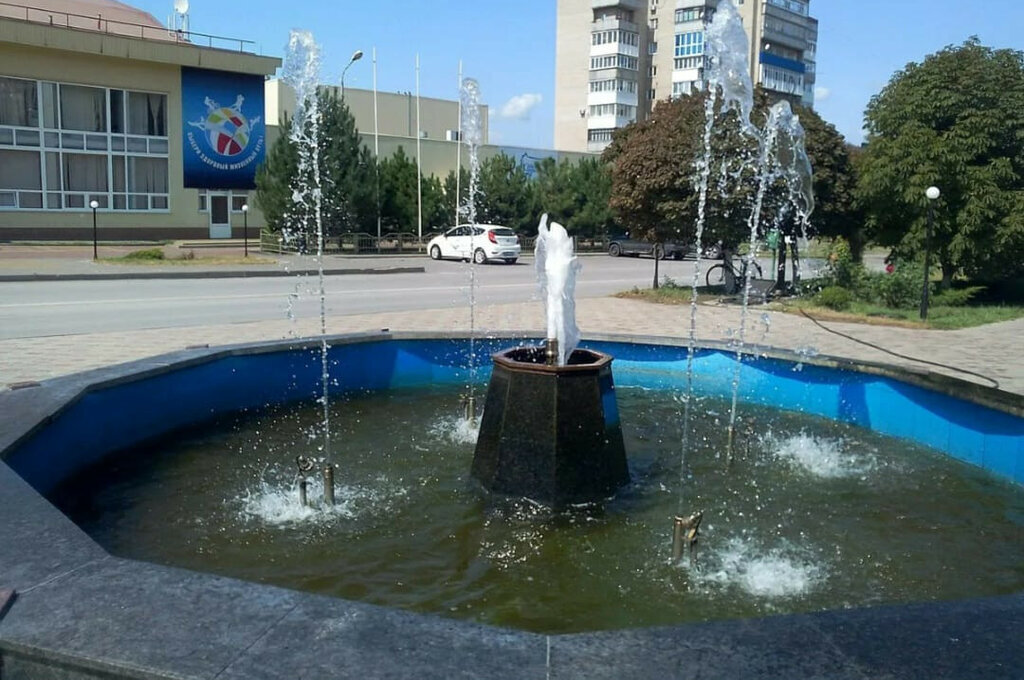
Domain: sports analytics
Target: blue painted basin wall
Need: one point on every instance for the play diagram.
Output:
(122, 415)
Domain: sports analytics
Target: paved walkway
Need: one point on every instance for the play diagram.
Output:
(992, 350)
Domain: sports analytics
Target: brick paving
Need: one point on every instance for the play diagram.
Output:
(993, 350)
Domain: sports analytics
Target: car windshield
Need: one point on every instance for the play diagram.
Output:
(503, 231)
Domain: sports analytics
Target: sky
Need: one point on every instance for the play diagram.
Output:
(509, 47)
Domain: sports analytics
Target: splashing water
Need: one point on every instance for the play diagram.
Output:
(778, 573)
(274, 503)
(302, 73)
(456, 430)
(557, 267)
(825, 458)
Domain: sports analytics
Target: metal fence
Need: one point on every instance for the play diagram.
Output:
(362, 243)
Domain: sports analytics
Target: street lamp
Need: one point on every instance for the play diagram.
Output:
(94, 204)
(245, 232)
(931, 193)
(356, 56)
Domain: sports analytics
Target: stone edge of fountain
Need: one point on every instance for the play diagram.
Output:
(86, 614)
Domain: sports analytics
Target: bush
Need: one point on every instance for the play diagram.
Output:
(956, 297)
(899, 289)
(147, 254)
(843, 271)
(834, 297)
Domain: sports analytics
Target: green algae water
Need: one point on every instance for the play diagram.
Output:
(810, 515)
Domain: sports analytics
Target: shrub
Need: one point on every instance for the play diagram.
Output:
(842, 270)
(834, 297)
(899, 289)
(956, 297)
(147, 254)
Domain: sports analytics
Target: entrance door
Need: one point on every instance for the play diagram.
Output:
(220, 216)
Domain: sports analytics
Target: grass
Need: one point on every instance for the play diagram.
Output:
(941, 317)
(156, 256)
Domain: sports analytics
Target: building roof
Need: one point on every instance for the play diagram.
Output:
(104, 16)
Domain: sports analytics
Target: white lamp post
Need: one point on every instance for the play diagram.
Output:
(931, 193)
(245, 228)
(94, 204)
(356, 56)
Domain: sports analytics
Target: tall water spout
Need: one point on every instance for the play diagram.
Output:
(471, 134)
(302, 73)
(557, 267)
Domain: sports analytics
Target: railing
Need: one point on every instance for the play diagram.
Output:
(361, 243)
(98, 23)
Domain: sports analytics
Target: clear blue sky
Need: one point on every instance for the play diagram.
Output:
(510, 46)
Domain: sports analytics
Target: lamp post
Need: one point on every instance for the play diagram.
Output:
(931, 193)
(356, 56)
(245, 228)
(94, 204)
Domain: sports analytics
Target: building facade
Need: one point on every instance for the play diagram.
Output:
(100, 103)
(616, 58)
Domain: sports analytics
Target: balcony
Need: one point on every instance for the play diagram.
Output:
(612, 23)
(634, 5)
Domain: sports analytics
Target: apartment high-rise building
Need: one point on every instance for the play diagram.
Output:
(616, 58)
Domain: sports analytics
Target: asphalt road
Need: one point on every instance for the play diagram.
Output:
(35, 309)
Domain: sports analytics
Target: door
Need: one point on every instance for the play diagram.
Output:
(220, 216)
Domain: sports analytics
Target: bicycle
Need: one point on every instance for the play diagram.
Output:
(726, 274)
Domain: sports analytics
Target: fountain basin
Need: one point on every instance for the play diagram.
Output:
(80, 609)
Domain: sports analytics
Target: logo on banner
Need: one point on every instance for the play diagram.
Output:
(229, 134)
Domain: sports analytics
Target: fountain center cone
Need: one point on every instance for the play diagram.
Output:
(551, 433)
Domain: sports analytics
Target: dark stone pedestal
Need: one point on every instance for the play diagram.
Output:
(551, 433)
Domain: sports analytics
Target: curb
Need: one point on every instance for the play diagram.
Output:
(243, 274)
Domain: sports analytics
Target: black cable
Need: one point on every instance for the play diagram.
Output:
(995, 383)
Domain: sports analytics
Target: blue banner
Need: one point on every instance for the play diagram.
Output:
(224, 135)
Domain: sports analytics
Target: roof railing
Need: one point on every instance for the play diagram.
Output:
(97, 23)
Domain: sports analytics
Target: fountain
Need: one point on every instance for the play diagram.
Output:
(845, 501)
(550, 429)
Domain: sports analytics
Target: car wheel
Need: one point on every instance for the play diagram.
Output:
(479, 257)
(678, 255)
(435, 253)
(510, 260)
(614, 250)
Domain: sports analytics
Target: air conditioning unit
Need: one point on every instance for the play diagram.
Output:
(452, 135)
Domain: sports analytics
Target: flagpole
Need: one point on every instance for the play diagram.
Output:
(376, 144)
(419, 162)
(458, 147)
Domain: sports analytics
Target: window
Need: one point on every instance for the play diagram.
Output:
(689, 14)
(600, 135)
(653, 24)
(614, 61)
(684, 63)
(651, 95)
(83, 108)
(18, 102)
(690, 43)
(620, 110)
(652, 47)
(62, 145)
(237, 201)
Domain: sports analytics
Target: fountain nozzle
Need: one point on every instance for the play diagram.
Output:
(469, 408)
(684, 535)
(551, 351)
(329, 485)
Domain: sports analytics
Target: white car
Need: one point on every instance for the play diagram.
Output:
(478, 242)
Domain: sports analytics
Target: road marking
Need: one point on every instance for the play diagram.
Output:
(284, 296)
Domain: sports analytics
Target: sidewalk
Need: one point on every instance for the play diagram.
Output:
(992, 350)
(75, 263)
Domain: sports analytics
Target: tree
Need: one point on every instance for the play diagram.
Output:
(346, 177)
(398, 209)
(505, 194)
(955, 121)
(576, 195)
(656, 167)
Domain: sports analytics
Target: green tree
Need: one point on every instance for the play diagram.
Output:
(576, 195)
(346, 177)
(449, 186)
(506, 195)
(398, 193)
(955, 121)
